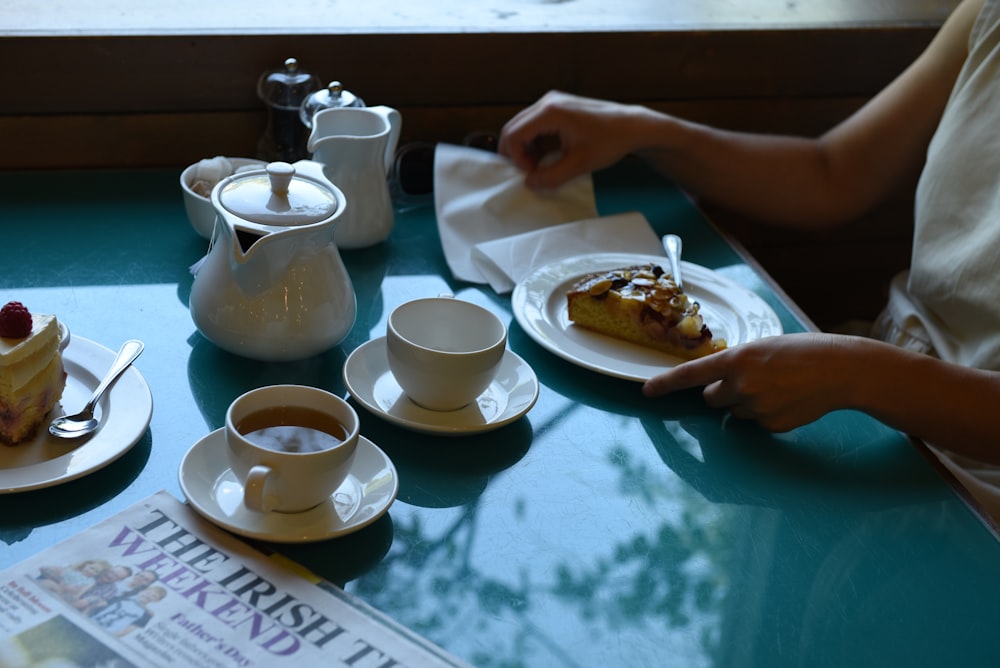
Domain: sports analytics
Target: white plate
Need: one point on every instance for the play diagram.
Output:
(214, 492)
(731, 311)
(127, 409)
(509, 396)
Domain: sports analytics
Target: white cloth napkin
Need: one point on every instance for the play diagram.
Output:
(495, 230)
(504, 262)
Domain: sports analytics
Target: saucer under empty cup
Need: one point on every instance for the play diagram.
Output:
(371, 384)
(444, 352)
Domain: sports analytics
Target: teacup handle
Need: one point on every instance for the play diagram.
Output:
(254, 497)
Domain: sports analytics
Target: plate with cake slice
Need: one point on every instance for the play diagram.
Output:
(43, 370)
(622, 315)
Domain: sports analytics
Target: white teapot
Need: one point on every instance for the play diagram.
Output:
(356, 146)
(273, 286)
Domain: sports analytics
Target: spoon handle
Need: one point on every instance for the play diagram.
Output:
(672, 244)
(126, 355)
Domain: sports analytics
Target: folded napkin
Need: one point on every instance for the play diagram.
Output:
(504, 262)
(495, 230)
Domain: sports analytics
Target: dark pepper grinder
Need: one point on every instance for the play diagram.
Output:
(283, 91)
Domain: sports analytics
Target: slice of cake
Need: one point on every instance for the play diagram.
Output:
(31, 371)
(642, 304)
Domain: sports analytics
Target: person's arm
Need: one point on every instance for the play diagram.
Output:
(786, 180)
(787, 381)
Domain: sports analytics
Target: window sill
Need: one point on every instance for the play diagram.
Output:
(239, 17)
(86, 97)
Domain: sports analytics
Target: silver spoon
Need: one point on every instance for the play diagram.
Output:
(672, 244)
(84, 422)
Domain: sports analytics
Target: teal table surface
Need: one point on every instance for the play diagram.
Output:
(601, 529)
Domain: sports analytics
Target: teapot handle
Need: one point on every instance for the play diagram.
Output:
(395, 120)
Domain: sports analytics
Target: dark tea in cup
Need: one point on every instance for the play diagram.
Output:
(292, 429)
(290, 446)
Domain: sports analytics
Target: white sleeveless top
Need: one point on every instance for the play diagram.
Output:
(949, 301)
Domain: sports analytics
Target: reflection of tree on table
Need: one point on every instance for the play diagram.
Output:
(515, 596)
(715, 552)
(794, 595)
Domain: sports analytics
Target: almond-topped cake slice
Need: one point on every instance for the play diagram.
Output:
(642, 304)
(31, 371)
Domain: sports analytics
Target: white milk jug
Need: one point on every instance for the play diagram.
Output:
(356, 146)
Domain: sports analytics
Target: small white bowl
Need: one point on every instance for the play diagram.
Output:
(200, 212)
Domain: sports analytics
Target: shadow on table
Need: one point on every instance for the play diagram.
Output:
(845, 454)
(342, 559)
(23, 511)
(844, 460)
(217, 377)
(437, 471)
(843, 518)
(581, 385)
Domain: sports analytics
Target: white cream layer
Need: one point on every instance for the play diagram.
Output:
(23, 359)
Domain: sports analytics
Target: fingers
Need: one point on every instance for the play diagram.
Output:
(553, 171)
(694, 373)
(525, 136)
(542, 157)
(534, 141)
(718, 393)
(721, 394)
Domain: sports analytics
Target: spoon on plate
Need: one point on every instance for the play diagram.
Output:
(84, 422)
(672, 244)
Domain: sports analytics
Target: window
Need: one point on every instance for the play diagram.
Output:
(102, 17)
(148, 82)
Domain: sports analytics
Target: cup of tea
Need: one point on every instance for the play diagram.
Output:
(291, 446)
(444, 352)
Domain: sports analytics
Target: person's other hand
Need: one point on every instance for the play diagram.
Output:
(562, 136)
(781, 382)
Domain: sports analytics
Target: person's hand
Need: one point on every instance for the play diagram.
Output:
(563, 136)
(782, 382)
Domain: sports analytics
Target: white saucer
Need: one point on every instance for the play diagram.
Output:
(511, 395)
(213, 491)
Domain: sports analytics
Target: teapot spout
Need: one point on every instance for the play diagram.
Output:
(251, 263)
(245, 240)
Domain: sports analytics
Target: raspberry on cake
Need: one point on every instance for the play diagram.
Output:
(642, 304)
(32, 378)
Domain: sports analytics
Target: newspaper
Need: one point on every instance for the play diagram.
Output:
(156, 585)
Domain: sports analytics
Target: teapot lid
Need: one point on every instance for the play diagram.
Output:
(276, 197)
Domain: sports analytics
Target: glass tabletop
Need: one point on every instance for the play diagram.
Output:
(600, 529)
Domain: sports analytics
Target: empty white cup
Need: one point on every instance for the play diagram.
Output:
(444, 352)
(291, 446)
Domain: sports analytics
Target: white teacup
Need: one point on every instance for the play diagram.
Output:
(444, 352)
(291, 446)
